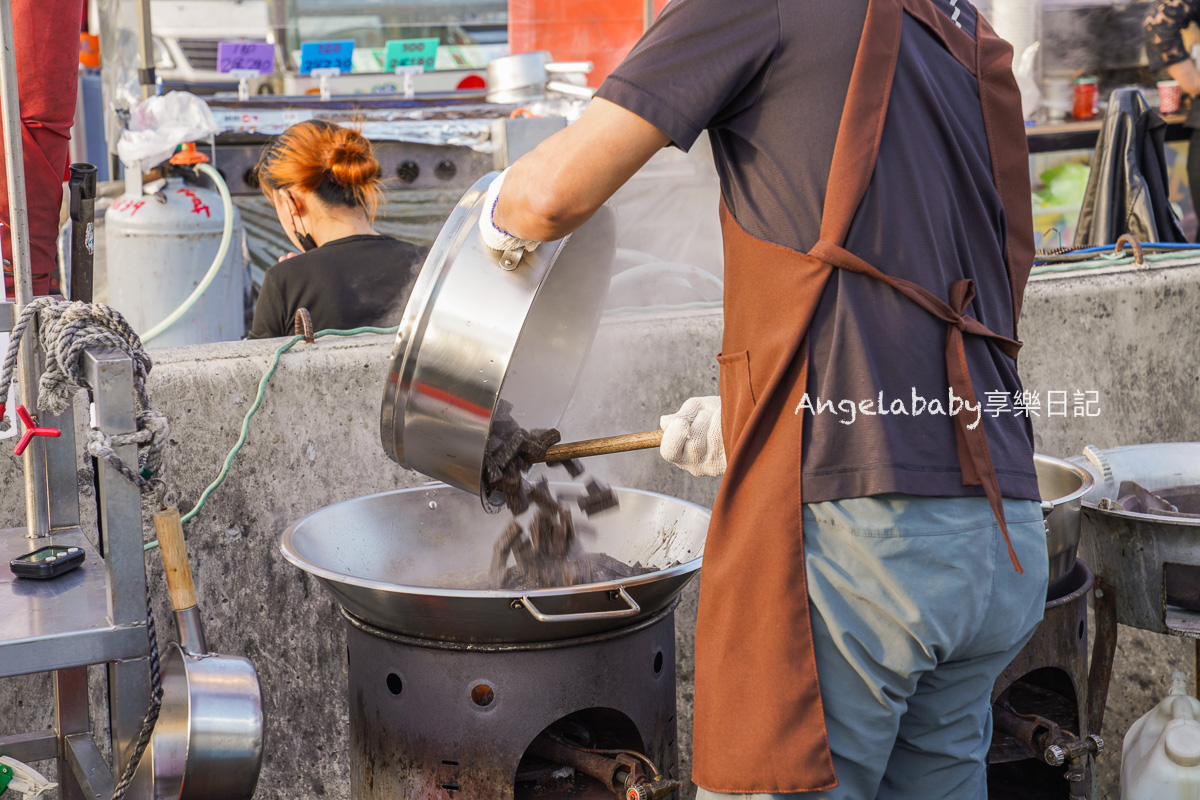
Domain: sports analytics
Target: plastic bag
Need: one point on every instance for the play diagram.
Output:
(157, 125)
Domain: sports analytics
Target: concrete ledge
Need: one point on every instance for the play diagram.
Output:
(1130, 336)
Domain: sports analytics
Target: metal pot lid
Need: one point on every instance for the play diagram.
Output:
(474, 334)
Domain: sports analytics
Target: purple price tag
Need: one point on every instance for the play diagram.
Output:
(257, 56)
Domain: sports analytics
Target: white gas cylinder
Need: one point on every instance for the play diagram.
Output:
(1161, 755)
(160, 246)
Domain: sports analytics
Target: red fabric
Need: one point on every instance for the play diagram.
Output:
(600, 31)
(46, 34)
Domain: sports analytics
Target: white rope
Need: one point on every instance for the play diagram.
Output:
(65, 330)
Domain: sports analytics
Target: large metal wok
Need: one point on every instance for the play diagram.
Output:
(394, 560)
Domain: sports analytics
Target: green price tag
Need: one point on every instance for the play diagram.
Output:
(410, 53)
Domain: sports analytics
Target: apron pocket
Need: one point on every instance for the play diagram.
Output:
(737, 396)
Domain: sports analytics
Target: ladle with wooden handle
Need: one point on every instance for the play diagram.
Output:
(209, 736)
(624, 443)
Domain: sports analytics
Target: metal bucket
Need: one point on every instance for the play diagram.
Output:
(473, 334)
(387, 558)
(1062, 486)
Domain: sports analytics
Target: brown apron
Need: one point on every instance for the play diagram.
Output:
(759, 722)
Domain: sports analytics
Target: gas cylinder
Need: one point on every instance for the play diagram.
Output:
(1161, 755)
(159, 247)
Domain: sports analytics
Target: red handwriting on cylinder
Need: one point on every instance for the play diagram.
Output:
(128, 203)
(197, 204)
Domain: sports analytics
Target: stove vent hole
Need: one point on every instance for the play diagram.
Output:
(450, 763)
(658, 662)
(394, 684)
(482, 695)
(450, 787)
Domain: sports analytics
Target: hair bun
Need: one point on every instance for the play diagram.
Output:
(349, 160)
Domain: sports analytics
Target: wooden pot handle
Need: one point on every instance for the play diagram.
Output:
(175, 558)
(604, 445)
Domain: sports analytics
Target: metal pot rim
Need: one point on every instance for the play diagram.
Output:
(294, 558)
(1087, 480)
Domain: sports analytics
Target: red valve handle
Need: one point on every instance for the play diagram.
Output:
(31, 430)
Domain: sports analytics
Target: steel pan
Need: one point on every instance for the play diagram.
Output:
(473, 334)
(1062, 486)
(381, 555)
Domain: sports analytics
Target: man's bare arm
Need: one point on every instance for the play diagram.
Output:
(554, 189)
(1189, 78)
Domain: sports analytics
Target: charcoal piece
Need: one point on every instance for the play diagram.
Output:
(516, 495)
(573, 466)
(599, 498)
(500, 551)
(539, 442)
(540, 494)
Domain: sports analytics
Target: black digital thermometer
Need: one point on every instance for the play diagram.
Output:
(47, 562)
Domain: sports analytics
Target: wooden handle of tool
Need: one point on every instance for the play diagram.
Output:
(175, 558)
(604, 445)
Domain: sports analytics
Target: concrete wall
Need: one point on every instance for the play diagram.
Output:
(1129, 336)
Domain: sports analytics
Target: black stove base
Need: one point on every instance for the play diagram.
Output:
(447, 720)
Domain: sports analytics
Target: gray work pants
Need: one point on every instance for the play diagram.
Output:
(916, 610)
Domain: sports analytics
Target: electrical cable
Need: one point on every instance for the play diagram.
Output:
(214, 268)
(1100, 263)
(258, 399)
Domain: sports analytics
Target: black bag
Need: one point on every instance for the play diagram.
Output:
(1127, 190)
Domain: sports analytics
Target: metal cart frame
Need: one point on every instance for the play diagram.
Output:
(95, 614)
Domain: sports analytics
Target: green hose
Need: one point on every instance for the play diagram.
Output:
(1103, 262)
(226, 236)
(258, 399)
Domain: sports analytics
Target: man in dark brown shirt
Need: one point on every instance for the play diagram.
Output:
(900, 548)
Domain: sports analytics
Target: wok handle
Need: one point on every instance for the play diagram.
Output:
(175, 558)
(603, 446)
(633, 610)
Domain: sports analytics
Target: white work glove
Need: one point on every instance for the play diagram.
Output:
(692, 437)
(494, 237)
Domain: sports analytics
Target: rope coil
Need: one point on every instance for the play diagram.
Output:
(65, 330)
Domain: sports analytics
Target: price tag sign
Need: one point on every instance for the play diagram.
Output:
(335, 54)
(258, 57)
(410, 53)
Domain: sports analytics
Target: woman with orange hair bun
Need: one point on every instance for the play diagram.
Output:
(324, 183)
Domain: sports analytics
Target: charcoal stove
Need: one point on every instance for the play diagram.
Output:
(432, 719)
(1044, 742)
(465, 693)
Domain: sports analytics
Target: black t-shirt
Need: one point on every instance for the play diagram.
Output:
(768, 80)
(346, 283)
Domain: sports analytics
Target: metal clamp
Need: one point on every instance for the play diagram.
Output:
(633, 610)
(511, 259)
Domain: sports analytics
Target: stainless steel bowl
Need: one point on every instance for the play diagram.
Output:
(473, 334)
(1062, 486)
(388, 557)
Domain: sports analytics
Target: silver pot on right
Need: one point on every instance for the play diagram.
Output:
(1062, 486)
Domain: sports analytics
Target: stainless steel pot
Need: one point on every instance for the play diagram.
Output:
(387, 558)
(1062, 486)
(524, 77)
(474, 333)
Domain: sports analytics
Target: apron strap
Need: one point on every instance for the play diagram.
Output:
(974, 455)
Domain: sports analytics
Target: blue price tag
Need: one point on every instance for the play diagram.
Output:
(410, 53)
(335, 54)
(258, 57)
